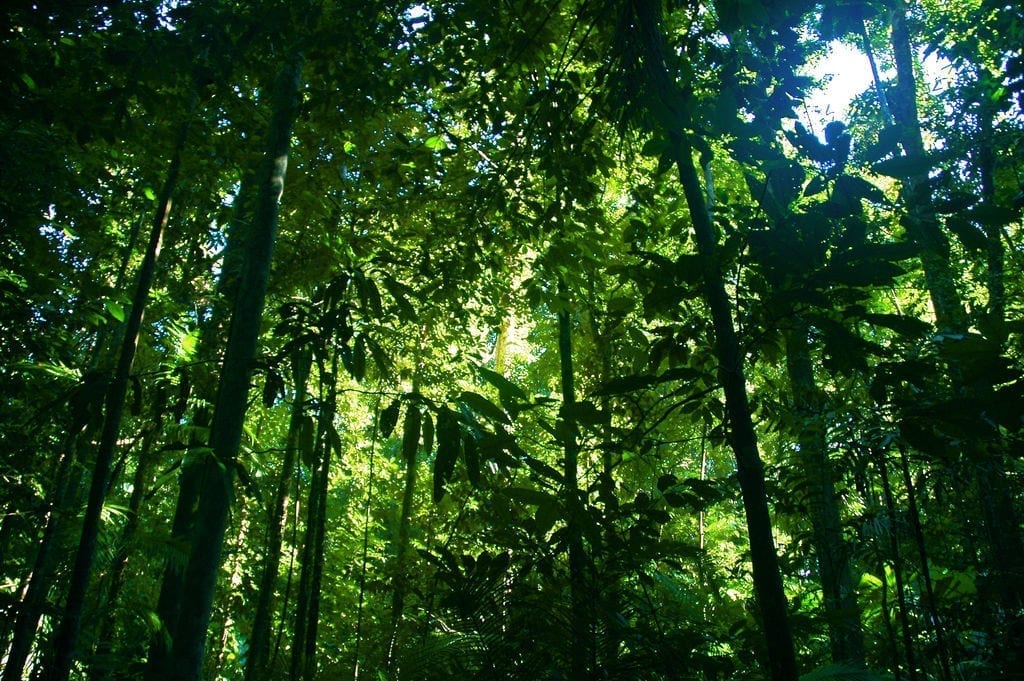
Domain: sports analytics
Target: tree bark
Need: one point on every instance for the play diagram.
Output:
(410, 448)
(671, 115)
(30, 609)
(1005, 545)
(67, 635)
(831, 549)
(771, 597)
(581, 652)
(115, 583)
(218, 468)
(259, 640)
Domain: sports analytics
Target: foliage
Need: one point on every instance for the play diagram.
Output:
(470, 186)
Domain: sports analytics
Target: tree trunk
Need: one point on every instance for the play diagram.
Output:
(67, 635)
(410, 447)
(169, 602)
(832, 551)
(217, 476)
(30, 609)
(581, 651)
(648, 32)
(897, 569)
(768, 587)
(1006, 548)
(115, 583)
(307, 610)
(259, 641)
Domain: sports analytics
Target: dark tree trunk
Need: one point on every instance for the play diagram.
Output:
(831, 549)
(647, 32)
(897, 570)
(410, 447)
(169, 602)
(581, 652)
(320, 530)
(259, 645)
(30, 609)
(1005, 545)
(66, 641)
(307, 609)
(218, 469)
(115, 582)
(771, 597)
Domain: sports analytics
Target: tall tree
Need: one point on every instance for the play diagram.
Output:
(645, 57)
(231, 403)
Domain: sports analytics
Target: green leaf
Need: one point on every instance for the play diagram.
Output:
(484, 407)
(358, 369)
(436, 142)
(585, 413)
(506, 388)
(115, 310)
(864, 273)
(858, 188)
(449, 441)
(389, 418)
(888, 143)
(273, 386)
(471, 456)
(427, 432)
(623, 385)
(903, 325)
(816, 186)
(840, 672)
(306, 440)
(526, 495)
(905, 166)
(411, 433)
(400, 293)
(149, 193)
(27, 80)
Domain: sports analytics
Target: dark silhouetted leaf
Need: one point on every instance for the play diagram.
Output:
(411, 433)
(307, 440)
(448, 449)
(389, 418)
(905, 166)
(969, 234)
(585, 413)
(903, 325)
(506, 388)
(484, 407)
(400, 293)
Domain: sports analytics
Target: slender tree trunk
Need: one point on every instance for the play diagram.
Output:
(320, 529)
(832, 551)
(921, 222)
(169, 602)
(771, 597)
(366, 544)
(897, 569)
(410, 439)
(30, 609)
(305, 594)
(1006, 547)
(931, 605)
(308, 611)
(115, 582)
(581, 651)
(232, 395)
(869, 52)
(67, 635)
(259, 641)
